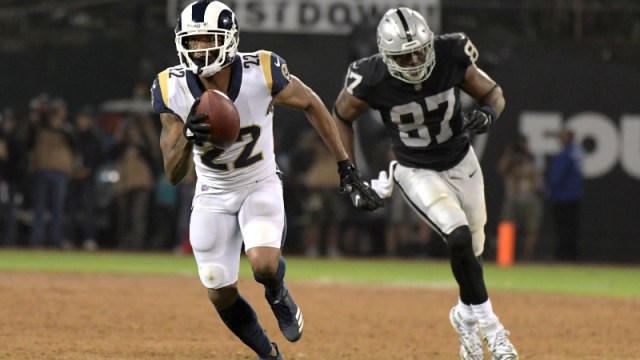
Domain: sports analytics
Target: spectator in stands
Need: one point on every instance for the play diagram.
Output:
(134, 187)
(11, 176)
(406, 235)
(564, 183)
(523, 183)
(165, 213)
(83, 199)
(324, 208)
(186, 190)
(50, 147)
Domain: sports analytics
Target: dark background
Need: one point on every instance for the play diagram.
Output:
(558, 57)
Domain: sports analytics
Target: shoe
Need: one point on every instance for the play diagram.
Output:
(470, 341)
(278, 356)
(288, 314)
(498, 343)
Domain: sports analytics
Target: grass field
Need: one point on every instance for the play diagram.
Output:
(602, 280)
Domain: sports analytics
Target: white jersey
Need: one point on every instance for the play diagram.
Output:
(255, 79)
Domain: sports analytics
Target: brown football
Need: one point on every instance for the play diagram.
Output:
(223, 117)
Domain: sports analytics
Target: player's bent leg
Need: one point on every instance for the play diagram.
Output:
(241, 319)
(262, 223)
(265, 262)
(439, 207)
(472, 199)
(277, 294)
(223, 298)
(217, 253)
(465, 266)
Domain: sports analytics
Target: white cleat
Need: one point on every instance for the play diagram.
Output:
(499, 345)
(470, 341)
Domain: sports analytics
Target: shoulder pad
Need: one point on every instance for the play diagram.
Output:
(458, 45)
(275, 71)
(371, 68)
(457, 36)
(160, 93)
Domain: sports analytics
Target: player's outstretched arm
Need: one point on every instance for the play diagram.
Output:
(346, 110)
(299, 96)
(176, 149)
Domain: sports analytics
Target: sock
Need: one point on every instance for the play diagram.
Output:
(469, 319)
(465, 310)
(241, 319)
(488, 320)
(273, 286)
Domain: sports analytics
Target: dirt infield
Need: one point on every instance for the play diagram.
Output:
(71, 316)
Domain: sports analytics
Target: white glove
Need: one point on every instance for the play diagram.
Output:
(383, 185)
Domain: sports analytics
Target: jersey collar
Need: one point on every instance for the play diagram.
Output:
(236, 78)
(197, 88)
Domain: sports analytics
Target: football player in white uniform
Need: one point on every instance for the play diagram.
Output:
(415, 82)
(238, 195)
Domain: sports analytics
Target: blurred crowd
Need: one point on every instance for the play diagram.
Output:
(88, 179)
(529, 185)
(93, 178)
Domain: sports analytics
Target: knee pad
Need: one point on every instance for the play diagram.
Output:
(460, 239)
(214, 276)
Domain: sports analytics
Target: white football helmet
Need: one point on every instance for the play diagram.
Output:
(207, 18)
(403, 34)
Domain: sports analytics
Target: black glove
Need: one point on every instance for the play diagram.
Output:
(194, 130)
(480, 120)
(362, 196)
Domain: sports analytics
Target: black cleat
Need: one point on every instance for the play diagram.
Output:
(278, 356)
(288, 314)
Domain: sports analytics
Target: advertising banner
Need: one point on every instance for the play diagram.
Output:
(312, 16)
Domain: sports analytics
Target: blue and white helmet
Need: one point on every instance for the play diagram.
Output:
(401, 32)
(213, 18)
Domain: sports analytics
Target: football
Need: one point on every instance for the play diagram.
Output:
(223, 117)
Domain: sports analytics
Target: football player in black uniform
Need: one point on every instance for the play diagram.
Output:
(415, 82)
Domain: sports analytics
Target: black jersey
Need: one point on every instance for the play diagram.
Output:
(424, 121)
